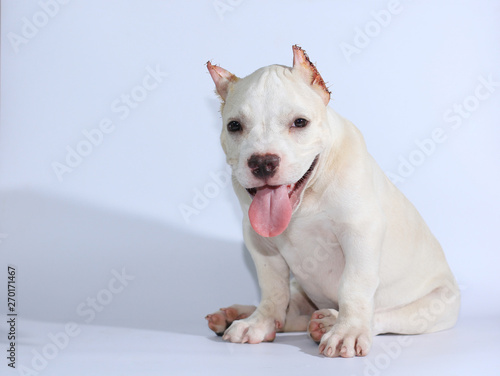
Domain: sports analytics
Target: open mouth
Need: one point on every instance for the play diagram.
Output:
(272, 205)
(291, 188)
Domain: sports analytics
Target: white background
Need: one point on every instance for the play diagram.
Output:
(120, 206)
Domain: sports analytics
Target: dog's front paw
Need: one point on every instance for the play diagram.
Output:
(251, 331)
(346, 341)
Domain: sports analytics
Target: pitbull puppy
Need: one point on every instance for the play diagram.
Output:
(317, 205)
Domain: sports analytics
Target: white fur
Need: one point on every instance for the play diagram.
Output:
(355, 244)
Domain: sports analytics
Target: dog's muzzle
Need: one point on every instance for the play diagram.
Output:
(272, 205)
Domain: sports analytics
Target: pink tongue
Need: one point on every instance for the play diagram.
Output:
(270, 211)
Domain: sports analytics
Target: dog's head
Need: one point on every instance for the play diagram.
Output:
(274, 131)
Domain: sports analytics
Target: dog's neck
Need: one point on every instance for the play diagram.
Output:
(334, 153)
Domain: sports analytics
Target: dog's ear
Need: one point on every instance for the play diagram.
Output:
(308, 71)
(222, 78)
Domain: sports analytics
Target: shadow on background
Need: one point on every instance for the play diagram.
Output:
(67, 254)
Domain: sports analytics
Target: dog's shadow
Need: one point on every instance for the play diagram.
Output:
(300, 340)
(164, 278)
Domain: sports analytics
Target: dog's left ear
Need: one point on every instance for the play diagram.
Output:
(222, 78)
(308, 71)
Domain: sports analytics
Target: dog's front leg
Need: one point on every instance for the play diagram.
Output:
(274, 281)
(352, 333)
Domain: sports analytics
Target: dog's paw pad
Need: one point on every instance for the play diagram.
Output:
(217, 322)
(221, 320)
(321, 322)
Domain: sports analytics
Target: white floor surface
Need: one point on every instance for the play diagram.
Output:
(471, 348)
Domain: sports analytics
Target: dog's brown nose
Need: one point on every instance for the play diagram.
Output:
(263, 166)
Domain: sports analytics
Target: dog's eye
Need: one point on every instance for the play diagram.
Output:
(234, 126)
(300, 123)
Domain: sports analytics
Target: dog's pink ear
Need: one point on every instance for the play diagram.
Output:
(222, 78)
(307, 69)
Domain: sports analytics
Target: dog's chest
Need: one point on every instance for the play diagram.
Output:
(315, 257)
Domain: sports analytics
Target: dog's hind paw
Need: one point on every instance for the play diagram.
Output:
(221, 320)
(321, 322)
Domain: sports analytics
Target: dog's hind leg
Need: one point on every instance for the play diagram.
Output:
(299, 309)
(221, 320)
(435, 311)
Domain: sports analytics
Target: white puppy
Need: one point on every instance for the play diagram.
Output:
(317, 205)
